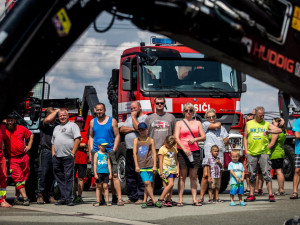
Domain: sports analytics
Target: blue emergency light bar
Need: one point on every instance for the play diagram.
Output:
(162, 41)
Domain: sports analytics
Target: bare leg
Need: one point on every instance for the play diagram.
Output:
(98, 192)
(193, 180)
(106, 192)
(181, 183)
(149, 190)
(117, 186)
(247, 182)
(280, 180)
(23, 192)
(80, 186)
(231, 198)
(167, 189)
(210, 193)
(216, 194)
(252, 187)
(296, 180)
(204, 183)
(269, 187)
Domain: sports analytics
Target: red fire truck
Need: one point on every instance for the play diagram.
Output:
(181, 75)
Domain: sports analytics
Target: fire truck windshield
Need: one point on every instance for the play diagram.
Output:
(189, 76)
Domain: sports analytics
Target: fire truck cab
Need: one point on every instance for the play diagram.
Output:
(181, 75)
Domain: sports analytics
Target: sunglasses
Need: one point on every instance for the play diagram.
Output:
(159, 103)
(211, 117)
(188, 110)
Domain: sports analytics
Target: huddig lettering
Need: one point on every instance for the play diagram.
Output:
(274, 58)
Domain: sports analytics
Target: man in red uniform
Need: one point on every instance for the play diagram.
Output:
(18, 157)
(81, 159)
(3, 171)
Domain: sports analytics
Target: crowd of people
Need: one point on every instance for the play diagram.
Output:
(157, 145)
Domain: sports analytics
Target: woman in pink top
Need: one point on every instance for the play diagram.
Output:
(188, 151)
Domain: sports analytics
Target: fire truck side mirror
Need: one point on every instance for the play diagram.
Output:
(244, 86)
(35, 112)
(127, 75)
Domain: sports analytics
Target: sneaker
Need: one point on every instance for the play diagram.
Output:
(271, 198)
(17, 201)
(40, 199)
(60, 202)
(78, 200)
(260, 192)
(250, 198)
(158, 204)
(167, 204)
(232, 203)
(26, 202)
(242, 203)
(70, 203)
(144, 205)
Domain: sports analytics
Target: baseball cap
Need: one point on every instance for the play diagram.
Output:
(11, 116)
(101, 142)
(142, 126)
(79, 118)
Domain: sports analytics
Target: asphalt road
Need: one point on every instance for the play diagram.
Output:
(259, 212)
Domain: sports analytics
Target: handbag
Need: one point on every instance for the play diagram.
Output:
(200, 146)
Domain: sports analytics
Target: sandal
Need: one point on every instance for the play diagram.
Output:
(120, 202)
(108, 204)
(278, 193)
(219, 201)
(201, 200)
(197, 204)
(179, 204)
(294, 196)
(96, 204)
(210, 201)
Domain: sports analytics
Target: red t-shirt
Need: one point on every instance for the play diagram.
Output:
(15, 140)
(81, 155)
(2, 137)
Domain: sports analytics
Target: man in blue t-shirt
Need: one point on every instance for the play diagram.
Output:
(296, 129)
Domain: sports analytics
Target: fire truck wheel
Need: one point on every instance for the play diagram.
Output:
(289, 162)
(121, 158)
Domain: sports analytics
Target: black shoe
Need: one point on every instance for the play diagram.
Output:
(60, 202)
(26, 202)
(70, 203)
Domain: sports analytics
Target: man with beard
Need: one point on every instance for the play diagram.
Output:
(160, 124)
(3, 170)
(106, 127)
(65, 142)
(18, 157)
(135, 185)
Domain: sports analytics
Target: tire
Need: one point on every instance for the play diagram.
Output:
(112, 93)
(121, 167)
(289, 163)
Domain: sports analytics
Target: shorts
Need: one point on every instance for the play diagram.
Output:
(184, 161)
(297, 160)
(172, 176)
(81, 168)
(102, 178)
(113, 162)
(146, 176)
(277, 163)
(237, 189)
(264, 164)
(215, 183)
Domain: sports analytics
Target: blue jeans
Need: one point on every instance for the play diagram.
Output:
(45, 173)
